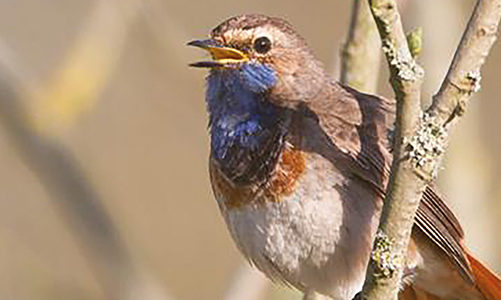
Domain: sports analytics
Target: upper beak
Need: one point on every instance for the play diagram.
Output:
(223, 56)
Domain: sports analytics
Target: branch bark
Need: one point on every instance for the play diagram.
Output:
(420, 138)
(403, 193)
(463, 77)
(359, 60)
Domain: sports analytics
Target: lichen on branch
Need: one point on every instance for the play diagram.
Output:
(385, 262)
(420, 139)
(463, 77)
(401, 200)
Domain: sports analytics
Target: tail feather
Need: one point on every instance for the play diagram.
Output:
(486, 281)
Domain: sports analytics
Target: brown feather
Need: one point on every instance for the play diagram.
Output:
(358, 124)
(288, 169)
(486, 281)
(440, 225)
(291, 165)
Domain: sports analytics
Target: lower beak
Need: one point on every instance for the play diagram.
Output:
(222, 56)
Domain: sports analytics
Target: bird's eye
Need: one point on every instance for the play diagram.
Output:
(262, 45)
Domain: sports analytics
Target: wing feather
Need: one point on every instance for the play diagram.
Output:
(359, 124)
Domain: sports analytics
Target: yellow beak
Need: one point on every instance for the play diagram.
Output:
(223, 56)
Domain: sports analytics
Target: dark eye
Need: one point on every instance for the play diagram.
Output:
(262, 45)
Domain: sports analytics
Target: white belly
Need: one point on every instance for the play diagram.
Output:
(318, 238)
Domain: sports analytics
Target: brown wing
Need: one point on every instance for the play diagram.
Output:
(440, 225)
(359, 125)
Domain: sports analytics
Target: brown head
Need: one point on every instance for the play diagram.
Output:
(270, 41)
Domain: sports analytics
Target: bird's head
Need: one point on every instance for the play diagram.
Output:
(261, 70)
(268, 54)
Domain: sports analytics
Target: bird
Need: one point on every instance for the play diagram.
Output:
(299, 164)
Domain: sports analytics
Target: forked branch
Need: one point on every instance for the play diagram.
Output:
(420, 138)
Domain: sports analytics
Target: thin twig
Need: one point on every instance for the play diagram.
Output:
(465, 181)
(360, 60)
(463, 77)
(420, 139)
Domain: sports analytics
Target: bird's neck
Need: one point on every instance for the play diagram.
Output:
(247, 131)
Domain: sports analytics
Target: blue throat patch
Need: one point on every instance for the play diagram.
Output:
(241, 118)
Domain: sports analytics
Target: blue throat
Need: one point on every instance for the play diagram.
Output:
(243, 123)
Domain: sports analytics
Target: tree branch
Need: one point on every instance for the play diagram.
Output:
(420, 138)
(359, 60)
(463, 77)
(403, 193)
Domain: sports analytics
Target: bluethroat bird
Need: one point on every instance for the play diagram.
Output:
(299, 164)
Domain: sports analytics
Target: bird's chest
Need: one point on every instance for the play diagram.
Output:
(303, 229)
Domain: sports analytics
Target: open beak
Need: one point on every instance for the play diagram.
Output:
(222, 56)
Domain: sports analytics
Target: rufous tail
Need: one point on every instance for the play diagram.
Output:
(486, 281)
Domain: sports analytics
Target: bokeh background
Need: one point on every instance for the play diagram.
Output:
(97, 96)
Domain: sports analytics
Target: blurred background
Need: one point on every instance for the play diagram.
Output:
(104, 190)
